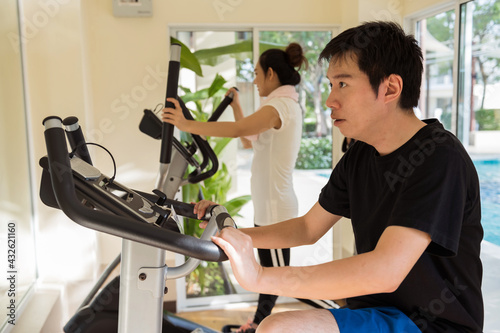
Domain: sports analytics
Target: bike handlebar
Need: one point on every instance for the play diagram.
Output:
(146, 233)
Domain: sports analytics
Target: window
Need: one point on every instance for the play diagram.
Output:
(479, 81)
(17, 242)
(466, 99)
(461, 82)
(436, 37)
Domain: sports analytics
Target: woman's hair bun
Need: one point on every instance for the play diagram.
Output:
(296, 56)
(284, 63)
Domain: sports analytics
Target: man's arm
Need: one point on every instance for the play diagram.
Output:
(379, 271)
(303, 230)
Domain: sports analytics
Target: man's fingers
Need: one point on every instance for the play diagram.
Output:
(224, 245)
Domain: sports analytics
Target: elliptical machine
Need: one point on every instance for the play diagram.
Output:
(148, 223)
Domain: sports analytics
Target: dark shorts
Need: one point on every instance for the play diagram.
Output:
(374, 320)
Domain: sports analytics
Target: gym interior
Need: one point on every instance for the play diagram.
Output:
(104, 62)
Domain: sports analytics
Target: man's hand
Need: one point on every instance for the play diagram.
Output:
(239, 248)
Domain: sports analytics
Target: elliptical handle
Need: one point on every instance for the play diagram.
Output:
(222, 106)
(172, 85)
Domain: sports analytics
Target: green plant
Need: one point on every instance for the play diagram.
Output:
(315, 153)
(309, 125)
(488, 119)
(209, 278)
(446, 119)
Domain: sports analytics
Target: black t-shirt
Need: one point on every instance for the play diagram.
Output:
(429, 184)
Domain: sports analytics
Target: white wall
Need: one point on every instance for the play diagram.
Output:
(411, 7)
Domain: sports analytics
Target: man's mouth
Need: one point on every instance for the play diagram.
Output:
(337, 122)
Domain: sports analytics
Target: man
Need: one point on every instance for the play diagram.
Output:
(411, 192)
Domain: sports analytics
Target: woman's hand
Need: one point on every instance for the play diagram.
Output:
(175, 116)
(236, 96)
(239, 248)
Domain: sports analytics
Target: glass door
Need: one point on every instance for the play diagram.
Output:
(479, 103)
(436, 38)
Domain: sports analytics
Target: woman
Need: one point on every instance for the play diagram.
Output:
(274, 132)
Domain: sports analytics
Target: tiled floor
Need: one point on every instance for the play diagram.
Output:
(216, 319)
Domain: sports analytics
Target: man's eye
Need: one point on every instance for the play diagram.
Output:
(330, 85)
(342, 84)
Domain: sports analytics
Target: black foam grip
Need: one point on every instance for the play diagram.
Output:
(222, 107)
(76, 139)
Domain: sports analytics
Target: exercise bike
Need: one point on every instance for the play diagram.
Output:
(148, 223)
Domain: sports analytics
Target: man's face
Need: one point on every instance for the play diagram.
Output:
(356, 110)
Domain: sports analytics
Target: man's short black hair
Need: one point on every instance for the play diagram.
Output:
(381, 49)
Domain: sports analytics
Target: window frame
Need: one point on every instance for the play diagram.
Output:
(410, 25)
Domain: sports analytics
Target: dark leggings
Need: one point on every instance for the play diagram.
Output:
(270, 258)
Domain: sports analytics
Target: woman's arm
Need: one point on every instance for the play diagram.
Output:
(260, 121)
(238, 115)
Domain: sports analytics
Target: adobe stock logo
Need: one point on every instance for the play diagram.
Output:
(416, 158)
(438, 305)
(31, 26)
(225, 6)
(128, 101)
(390, 13)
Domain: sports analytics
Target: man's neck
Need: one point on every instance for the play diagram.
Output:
(397, 130)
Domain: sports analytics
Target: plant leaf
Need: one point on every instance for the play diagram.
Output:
(234, 205)
(216, 85)
(221, 144)
(188, 59)
(239, 51)
(199, 95)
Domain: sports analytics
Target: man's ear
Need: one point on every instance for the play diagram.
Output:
(394, 87)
